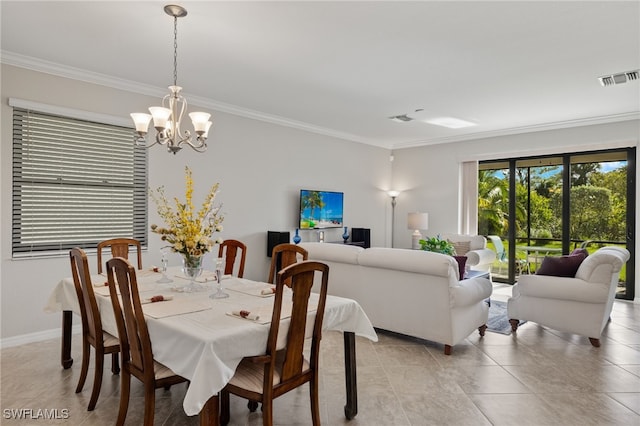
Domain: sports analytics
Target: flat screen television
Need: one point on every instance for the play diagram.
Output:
(320, 209)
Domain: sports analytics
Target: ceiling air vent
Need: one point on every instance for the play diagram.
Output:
(401, 118)
(623, 77)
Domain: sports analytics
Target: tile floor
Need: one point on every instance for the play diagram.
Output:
(539, 377)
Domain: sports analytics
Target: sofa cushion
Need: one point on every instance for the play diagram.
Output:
(416, 261)
(561, 266)
(461, 247)
(343, 253)
(475, 241)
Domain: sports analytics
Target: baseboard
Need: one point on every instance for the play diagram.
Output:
(40, 336)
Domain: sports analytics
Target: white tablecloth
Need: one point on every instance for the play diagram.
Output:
(207, 345)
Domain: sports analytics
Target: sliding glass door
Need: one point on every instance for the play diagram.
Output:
(550, 205)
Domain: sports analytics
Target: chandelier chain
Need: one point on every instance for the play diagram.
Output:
(175, 50)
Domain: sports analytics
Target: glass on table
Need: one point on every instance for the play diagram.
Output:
(164, 253)
(219, 294)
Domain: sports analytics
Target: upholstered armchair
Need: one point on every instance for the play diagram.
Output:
(580, 304)
(479, 257)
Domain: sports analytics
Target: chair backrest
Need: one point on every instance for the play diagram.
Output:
(119, 248)
(89, 313)
(300, 278)
(284, 255)
(229, 249)
(135, 343)
(497, 244)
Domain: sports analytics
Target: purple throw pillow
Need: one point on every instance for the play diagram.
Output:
(462, 261)
(561, 266)
(582, 251)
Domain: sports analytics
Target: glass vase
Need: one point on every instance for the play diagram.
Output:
(192, 268)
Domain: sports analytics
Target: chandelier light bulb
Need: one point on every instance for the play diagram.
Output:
(141, 121)
(160, 117)
(206, 131)
(200, 120)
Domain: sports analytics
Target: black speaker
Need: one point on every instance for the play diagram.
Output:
(274, 238)
(361, 235)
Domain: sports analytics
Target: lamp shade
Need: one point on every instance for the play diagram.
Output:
(418, 221)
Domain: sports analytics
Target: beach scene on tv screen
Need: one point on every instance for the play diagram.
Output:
(320, 209)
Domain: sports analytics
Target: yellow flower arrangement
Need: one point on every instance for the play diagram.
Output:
(189, 232)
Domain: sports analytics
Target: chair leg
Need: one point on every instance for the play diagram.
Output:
(115, 363)
(482, 329)
(514, 324)
(86, 353)
(315, 403)
(97, 380)
(595, 342)
(447, 349)
(224, 408)
(267, 412)
(149, 404)
(125, 388)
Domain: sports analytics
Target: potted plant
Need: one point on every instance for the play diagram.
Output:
(438, 245)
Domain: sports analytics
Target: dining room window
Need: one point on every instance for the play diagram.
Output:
(75, 182)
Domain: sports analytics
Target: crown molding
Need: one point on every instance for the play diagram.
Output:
(614, 118)
(47, 67)
(35, 64)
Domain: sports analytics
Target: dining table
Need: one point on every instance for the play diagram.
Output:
(203, 339)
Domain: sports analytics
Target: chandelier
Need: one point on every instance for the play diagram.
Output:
(168, 117)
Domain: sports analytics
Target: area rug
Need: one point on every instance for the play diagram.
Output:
(498, 321)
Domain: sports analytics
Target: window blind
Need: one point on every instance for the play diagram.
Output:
(75, 183)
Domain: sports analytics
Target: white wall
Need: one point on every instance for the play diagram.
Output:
(261, 168)
(428, 176)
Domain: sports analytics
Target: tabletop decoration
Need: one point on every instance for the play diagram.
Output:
(189, 231)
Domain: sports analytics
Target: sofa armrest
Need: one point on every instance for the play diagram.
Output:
(562, 288)
(480, 257)
(469, 292)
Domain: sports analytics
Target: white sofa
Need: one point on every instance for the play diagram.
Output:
(580, 304)
(412, 292)
(479, 257)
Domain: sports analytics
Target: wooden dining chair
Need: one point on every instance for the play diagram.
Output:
(92, 333)
(119, 248)
(137, 353)
(265, 377)
(284, 255)
(229, 250)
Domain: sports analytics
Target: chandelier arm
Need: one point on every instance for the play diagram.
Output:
(198, 148)
(141, 141)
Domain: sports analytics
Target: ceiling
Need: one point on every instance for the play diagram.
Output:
(343, 68)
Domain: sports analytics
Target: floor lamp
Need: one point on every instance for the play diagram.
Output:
(393, 195)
